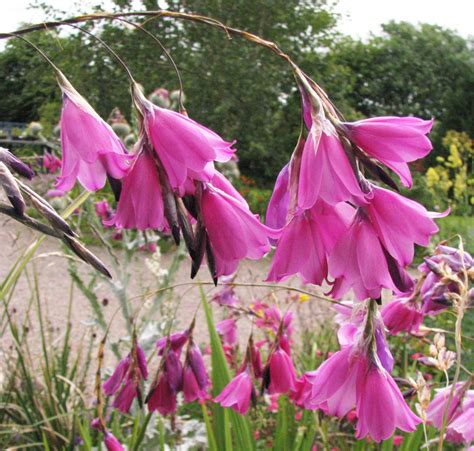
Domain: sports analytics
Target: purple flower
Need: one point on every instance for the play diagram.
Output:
(125, 381)
(15, 164)
(196, 363)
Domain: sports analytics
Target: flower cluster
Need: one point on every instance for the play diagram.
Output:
(335, 222)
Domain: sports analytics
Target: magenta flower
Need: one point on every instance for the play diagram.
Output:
(359, 261)
(162, 398)
(380, 406)
(141, 203)
(227, 329)
(125, 381)
(400, 223)
(90, 148)
(111, 443)
(306, 242)
(237, 393)
(234, 232)
(226, 295)
(51, 162)
(394, 141)
(402, 315)
(279, 375)
(183, 146)
(325, 171)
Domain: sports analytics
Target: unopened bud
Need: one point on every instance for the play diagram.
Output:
(12, 190)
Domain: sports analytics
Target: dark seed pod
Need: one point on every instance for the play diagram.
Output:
(12, 190)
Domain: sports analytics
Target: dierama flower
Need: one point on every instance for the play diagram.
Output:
(460, 429)
(141, 201)
(402, 315)
(162, 397)
(90, 148)
(394, 141)
(238, 393)
(176, 340)
(358, 376)
(277, 210)
(437, 406)
(234, 232)
(226, 295)
(359, 261)
(306, 242)
(183, 146)
(279, 374)
(326, 172)
(125, 380)
(196, 362)
(103, 210)
(400, 223)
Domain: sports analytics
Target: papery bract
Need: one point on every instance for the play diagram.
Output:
(394, 141)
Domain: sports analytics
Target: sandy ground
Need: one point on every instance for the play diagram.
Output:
(54, 283)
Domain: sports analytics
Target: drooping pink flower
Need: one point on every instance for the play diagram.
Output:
(90, 148)
(400, 223)
(163, 397)
(302, 392)
(306, 242)
(238, 393)
(51, 162)
(234, 232)
(226, 295)
(111, 442)
(227, 329)
(103, 210)
(359, 261)
(141, 202)
(183, 146)
(380, 406)
(279, 375)
(402, 315)
(394, 141)
(325, 171)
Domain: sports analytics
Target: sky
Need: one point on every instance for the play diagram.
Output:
(359, 17)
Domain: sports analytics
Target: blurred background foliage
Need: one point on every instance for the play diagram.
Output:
(246, 93)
